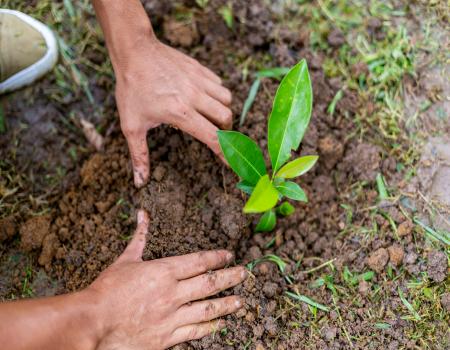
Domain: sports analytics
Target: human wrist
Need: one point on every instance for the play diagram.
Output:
(126, 28)
(87, 319)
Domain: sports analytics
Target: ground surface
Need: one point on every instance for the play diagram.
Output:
(377, 264)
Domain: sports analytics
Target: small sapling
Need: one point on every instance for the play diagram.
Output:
(287, 125)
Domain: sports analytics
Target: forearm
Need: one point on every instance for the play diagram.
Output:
(62, 322)
(126, 27)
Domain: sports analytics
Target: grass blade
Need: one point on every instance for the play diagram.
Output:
(309, 301)
(444, 237)
(336, 99)
(381, 185)
(275, 72)
(249, 101)
(408, 305)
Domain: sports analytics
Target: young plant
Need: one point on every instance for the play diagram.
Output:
(287, 124)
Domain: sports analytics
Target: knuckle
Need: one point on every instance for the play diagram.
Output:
(193, 333)
(211, 282)
(209, 310)
(228, 115)
(227, 97)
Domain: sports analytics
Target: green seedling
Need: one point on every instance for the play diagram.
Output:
(287, 124)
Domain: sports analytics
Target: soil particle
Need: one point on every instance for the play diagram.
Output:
(410, 258)
(336, 38)
(405, 228)
(378, 260)
(396, 254)
(329, 333)
(91, 168)
(180, 33)
(324, 189)
(363, 287)
(270, 289)
(7, 228)
(259, 346)
(437, 266)
(363, 160)
(158, 173)
(271, 327)
(445, 301)
(331, 151)
(50, 245)
(33, 231)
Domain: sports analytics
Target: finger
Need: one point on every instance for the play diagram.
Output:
(210, 283)
(210, 74)
(134, 250)
(191, 265)
(207, 310)
(215, 111)
(137, 144)
(201, 128)
(218, 92)
(195, 331)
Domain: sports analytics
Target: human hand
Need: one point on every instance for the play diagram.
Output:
(160, 85)
(154, 304)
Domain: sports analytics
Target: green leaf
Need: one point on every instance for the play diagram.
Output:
(267, 222)
(290, 114)
(297, 167)
(275, 72)
(244, 186)
(285, 209)
(263, 198)
(249, 101)
(291, 190)
(382, 191)
(243, 155)
(227, 14)
(309, 301)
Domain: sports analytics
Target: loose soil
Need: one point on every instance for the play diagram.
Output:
(194, 205)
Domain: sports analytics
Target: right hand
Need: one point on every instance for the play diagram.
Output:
(160, 303)
(164, 86)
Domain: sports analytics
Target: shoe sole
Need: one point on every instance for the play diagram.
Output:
(30, 74)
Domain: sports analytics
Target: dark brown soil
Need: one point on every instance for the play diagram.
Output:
(194, 205)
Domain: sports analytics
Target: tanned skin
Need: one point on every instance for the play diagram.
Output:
(135, 304)
(157, 84)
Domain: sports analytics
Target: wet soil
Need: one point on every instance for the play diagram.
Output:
(194, 205)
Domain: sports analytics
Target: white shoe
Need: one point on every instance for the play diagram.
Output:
(28, 50)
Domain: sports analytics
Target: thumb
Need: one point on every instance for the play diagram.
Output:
(137, 144)
(135, 248)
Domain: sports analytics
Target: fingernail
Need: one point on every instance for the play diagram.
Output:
(244, 273)
(238, 303)
(229, 256)
(138, 178)
(140, 217)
